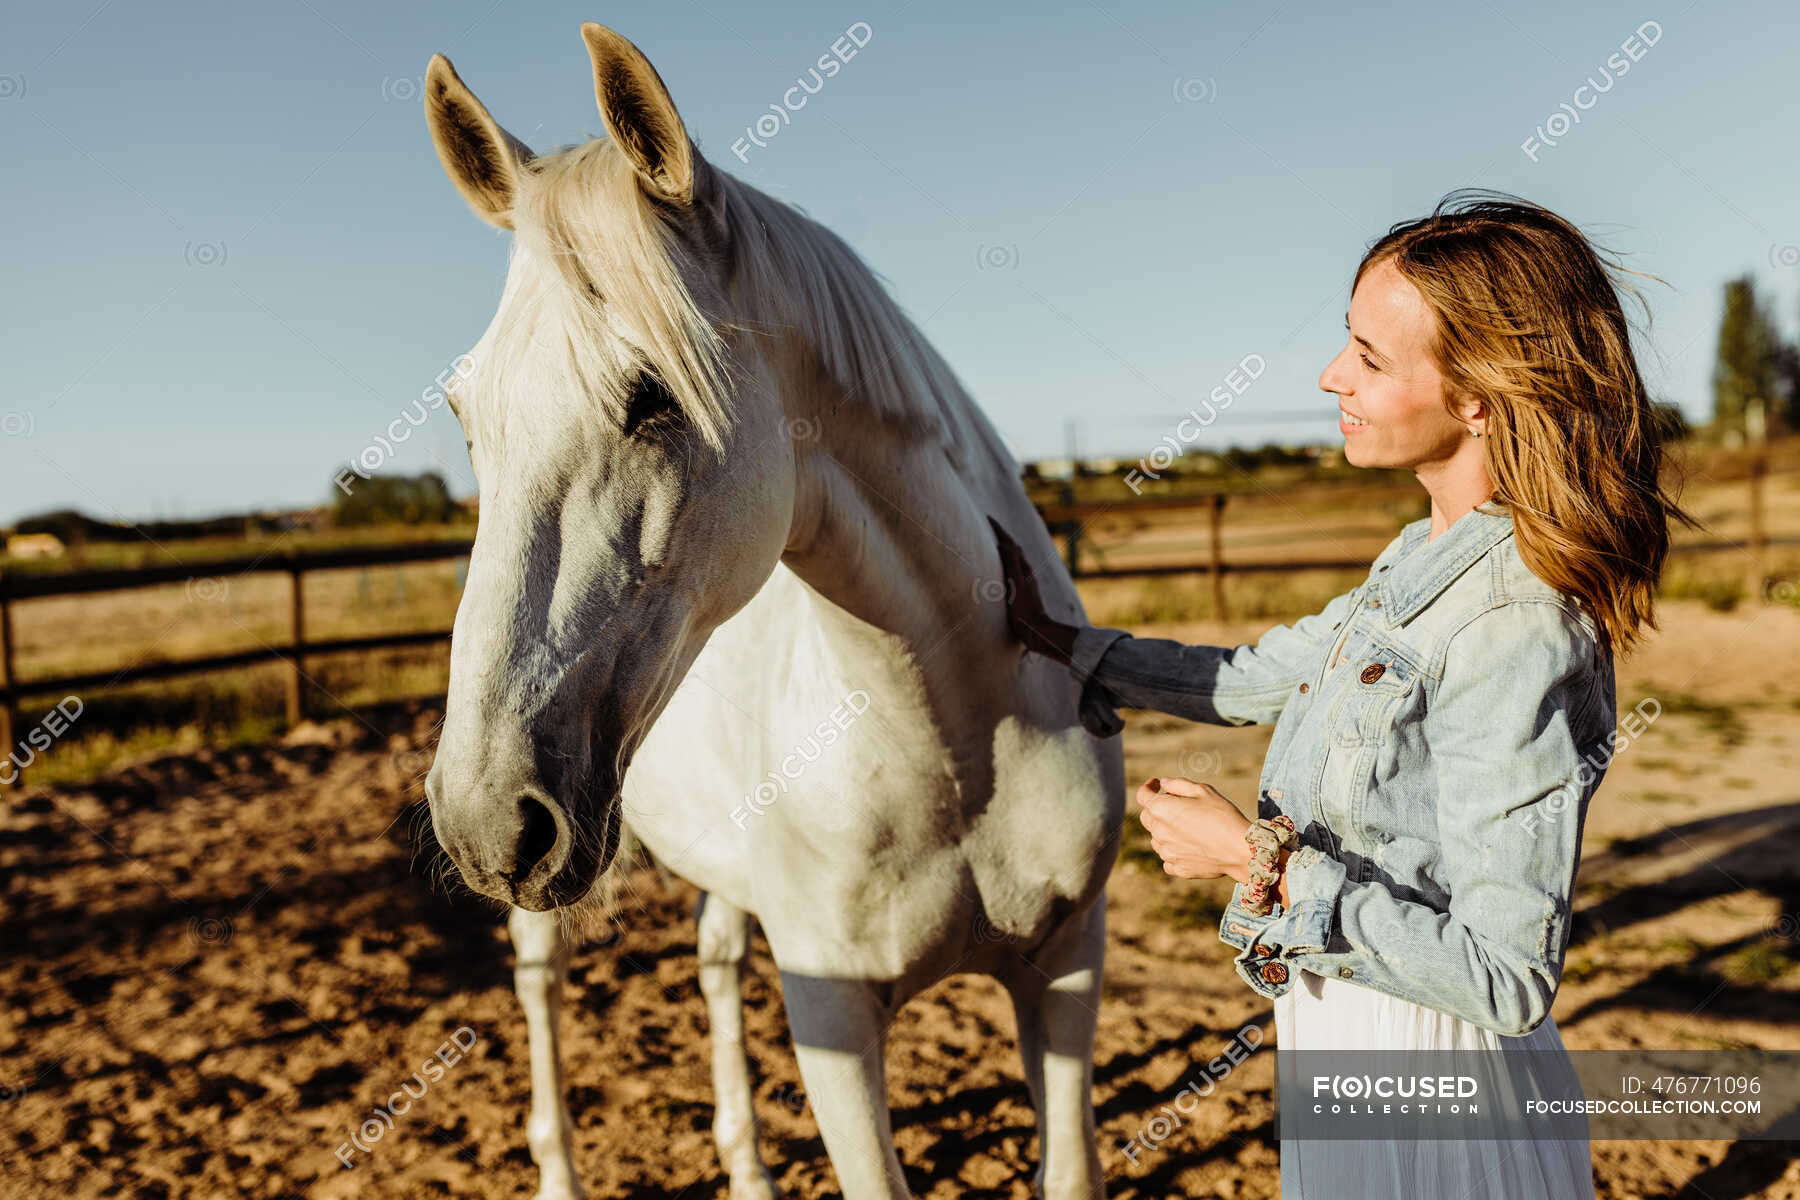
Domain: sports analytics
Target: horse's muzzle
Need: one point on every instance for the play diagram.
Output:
(532, 852)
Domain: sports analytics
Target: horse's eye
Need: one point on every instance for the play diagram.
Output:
(651, 406)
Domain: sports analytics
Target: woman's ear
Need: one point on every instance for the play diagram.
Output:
(1473, 414)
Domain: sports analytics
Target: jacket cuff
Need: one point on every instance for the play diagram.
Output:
(1091, 645)
(1267, 946)
(1099, 711)
(1238, 928)
(1255, 963)
(1099, 707)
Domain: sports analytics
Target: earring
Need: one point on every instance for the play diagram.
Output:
(1474, 433)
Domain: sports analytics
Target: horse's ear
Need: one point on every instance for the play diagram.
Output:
(482, 159)
(639, 115)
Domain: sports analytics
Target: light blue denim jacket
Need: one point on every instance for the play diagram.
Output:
(1439, 731)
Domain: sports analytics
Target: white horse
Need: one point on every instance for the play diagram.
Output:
(734, 586)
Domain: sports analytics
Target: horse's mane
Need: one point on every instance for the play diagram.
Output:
(617, 267)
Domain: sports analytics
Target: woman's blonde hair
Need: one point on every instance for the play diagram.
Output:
(1529, 323)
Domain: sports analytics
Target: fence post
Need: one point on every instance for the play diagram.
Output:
(1217, 522)
(1071, 531)
(296, 689)
(1759, 535)
(8, 698)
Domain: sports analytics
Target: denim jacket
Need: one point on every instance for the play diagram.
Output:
(1439, 731)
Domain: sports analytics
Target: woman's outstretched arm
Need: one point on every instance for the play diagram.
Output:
(1222, 685)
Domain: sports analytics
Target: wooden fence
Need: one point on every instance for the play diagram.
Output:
(294, 564)
(1066, 520)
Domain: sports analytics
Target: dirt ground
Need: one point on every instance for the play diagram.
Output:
(217, 964)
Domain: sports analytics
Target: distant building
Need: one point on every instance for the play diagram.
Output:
(1107, 464)
(34, 545)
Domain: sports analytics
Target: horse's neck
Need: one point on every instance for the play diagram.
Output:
(895, 482)
(883, 533)
(896, 541)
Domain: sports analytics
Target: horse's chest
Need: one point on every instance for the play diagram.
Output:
(840, 807)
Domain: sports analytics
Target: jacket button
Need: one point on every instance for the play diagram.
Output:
(1274, 973)
(1345, 972)
(1263, 951)
(1303, 687)
(1373, 671)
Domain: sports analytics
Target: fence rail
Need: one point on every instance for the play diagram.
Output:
(1066, 519)
(295, 564)
(77, 583)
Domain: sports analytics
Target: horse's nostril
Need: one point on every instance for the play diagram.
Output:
(537, 839)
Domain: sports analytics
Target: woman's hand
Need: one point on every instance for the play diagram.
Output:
(1025, 614)
(1197, 832)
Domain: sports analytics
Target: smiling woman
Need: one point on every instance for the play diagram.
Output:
(1390, 392)
(1436, 726)
(1496, 318)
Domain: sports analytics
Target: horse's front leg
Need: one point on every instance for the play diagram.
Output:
(541, 957)
(1056, 998)
(724, 939)
(840, 1038)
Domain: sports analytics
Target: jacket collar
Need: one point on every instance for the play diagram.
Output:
(1424, 568)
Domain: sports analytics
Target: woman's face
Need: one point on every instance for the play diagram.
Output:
(1390, 394)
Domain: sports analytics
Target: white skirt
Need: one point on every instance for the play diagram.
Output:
(1321, 1013)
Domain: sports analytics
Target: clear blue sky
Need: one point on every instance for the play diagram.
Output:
(231, 256)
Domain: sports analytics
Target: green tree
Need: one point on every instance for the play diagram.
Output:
(1744, 376)
(383, 499)
(1787, 385)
